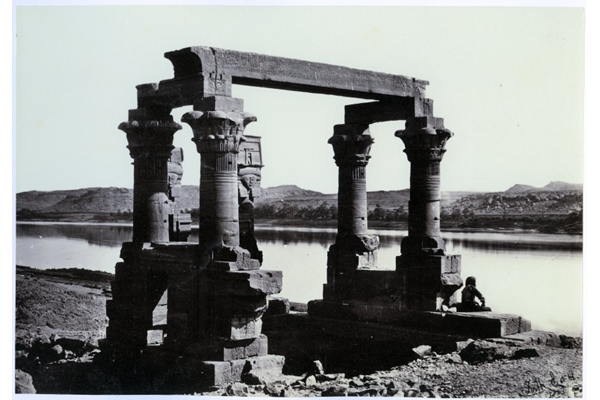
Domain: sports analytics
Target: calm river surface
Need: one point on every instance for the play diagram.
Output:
(535, 275)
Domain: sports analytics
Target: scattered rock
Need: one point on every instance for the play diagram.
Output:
(422, 350)
(453, 358)
(525, 353)
(335, 391)
(252, 378)
(357, 383)
(237, 389)
(23, 382)
(310, 380)
(276, 390)
(569, 342)
(76, 346)
(22, 346)
(460, 346)
(481, 351)
(328, 377)
(371, 392)
(316, 368)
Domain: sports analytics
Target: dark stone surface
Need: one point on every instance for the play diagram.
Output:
(278, 305)
(400, 108)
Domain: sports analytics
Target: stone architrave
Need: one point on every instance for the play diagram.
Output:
(354, 248)
(432, 277)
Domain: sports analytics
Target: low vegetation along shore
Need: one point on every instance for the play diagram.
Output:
(60, 315)
(554, 208)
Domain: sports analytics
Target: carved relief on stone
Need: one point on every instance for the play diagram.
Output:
(424, 140)
(351, 144)
(150, 138)
(218, 131)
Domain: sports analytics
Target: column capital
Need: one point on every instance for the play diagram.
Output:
(218, 131)
(150, 138)
(351, 144)
(425, 138)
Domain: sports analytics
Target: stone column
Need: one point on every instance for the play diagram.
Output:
(218, 135)
(425, 149)
(431, 277)
(354, 248)
(232, 292)
(150, 145)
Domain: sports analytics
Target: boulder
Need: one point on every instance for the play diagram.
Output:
(569, 342)
(481, 351)
(23, 382)
(335, 391)
(453, 358)
(525, 353)
(462, 344)
(237, 389)
(316, 368)
(310, 380)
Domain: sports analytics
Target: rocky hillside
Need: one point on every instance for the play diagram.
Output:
(558, 198)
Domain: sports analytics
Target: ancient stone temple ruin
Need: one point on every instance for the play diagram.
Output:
(217, 292)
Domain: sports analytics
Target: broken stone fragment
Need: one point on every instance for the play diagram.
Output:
(23, 382)
(422, 350)
(335, 391)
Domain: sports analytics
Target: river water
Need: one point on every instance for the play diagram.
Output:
(534, 275)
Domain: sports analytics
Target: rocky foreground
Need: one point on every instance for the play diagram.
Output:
(61, 316)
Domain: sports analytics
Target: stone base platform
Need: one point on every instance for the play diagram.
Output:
(472, 324)
(157, 370)
(363, 345)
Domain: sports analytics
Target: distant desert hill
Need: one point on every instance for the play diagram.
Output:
(556, 198)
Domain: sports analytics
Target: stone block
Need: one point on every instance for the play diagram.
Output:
(220, 103)
(223, 372)
(278, 305)
(232, 350)
(246, 283)
(234, 258)
(442, 264)
(155, 337)
(238, 328)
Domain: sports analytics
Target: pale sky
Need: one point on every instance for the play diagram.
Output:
(507, 81)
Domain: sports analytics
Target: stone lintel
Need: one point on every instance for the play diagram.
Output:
(474, 325)
(400, 108)
(220, 103)
(260, 70)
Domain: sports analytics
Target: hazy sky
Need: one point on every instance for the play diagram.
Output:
(507, 81)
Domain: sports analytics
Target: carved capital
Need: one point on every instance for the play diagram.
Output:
(151, 138)
(351, 144)
(218, 131)
(425, 139)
